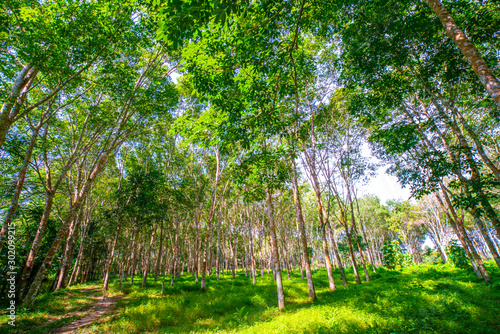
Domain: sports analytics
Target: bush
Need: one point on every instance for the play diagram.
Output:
(393, 257)
(456, 255)
(432, 257)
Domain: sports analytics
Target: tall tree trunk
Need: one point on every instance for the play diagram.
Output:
(148, 257)
(252, 255)
(160, 250)
(209, 221)
(301, 225)
(54, 249)
(234, 249)
(69, 250)
(274, 242)
(19, 187)
(354, 263)
(337, 256)
(322, 225)
(218, 250)
(489, 243)
(174, 253)
(461, 233)
(111, 256)
(16, 97)
(487, 78)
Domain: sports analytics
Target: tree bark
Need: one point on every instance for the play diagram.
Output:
(19, 187)
(29, 300)
(21, 83)
(487, 78)
(69, 250)
(337, 256)
(302, 229)
(109, 263)
(148, 257)
(274, 242)
(160, 249)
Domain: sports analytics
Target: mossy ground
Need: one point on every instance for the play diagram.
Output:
(418, 299)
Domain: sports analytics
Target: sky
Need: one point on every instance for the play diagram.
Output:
(386, 187)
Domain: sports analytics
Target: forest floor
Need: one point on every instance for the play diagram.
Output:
(417, 299)
(103, 306)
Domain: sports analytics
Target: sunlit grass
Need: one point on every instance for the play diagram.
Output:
(419, 299)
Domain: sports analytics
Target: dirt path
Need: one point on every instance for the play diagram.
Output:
(103, 306)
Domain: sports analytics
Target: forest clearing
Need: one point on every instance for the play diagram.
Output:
(199, 166)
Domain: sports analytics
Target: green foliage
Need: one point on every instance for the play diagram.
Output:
(393, 257)
(390, 251)
(431, 257)
(457, 255)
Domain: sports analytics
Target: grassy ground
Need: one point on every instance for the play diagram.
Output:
(419, 299)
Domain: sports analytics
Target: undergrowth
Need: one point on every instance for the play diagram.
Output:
(417, 299)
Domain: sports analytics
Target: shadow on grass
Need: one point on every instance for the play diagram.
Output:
(434, 299)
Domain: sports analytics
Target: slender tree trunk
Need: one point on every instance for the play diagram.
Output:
(218, 250)
(21, 84)
(42, 227)
(197, 248)
(302, 229)
(234, 249)
(79, 258)
(489, 243)
(337, 256)
(69, 250)
(353, 255)
(274, 242)
(54, 249)
(322, 223)
(19, 187)
(160, 250)
(252, 255)
(174, 254)
(148, 257)
(111, 256)
(461, 233)
(209, 221)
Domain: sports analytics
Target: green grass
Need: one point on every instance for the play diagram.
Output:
(418, 299)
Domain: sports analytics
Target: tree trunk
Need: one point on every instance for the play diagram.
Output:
(252, 255)
(148, 257)
(109, 263)
(21, 84)
(489, 243)
(302, 229)
(19, 187)
(322, 225)
(209, 222)
(160, 249)
(174, 253)
(54, 249)
(487, 78)
(337, 256)
(274, 242)
(461, 233)
(69, 250)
